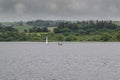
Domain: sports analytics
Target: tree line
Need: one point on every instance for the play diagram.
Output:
(65, 31)
(43, 23)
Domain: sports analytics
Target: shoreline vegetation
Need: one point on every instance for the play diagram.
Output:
(60, 30)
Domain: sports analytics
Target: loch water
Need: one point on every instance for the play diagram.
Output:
(71, 61)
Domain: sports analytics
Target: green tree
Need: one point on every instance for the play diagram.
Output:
(105, 37)
(71, 38)
(118, 36)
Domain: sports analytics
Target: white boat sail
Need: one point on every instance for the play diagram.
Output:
(46, 40)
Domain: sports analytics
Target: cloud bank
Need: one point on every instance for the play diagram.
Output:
(11, 10)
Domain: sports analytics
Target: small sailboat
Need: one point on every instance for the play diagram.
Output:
(47, 40)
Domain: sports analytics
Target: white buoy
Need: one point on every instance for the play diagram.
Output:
(60, 43)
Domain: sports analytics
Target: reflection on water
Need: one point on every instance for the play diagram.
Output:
(71, 61)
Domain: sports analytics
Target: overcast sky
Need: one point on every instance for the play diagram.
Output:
(11, 10)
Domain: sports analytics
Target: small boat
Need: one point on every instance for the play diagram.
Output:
(60, 43)
(46, 40)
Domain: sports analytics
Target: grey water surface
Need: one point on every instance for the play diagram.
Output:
(71, 61)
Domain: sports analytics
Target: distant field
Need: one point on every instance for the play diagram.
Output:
(22, 28)
(51, 28)
(26, 27)
(117, 22)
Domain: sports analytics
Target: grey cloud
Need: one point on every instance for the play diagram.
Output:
(61, 9)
